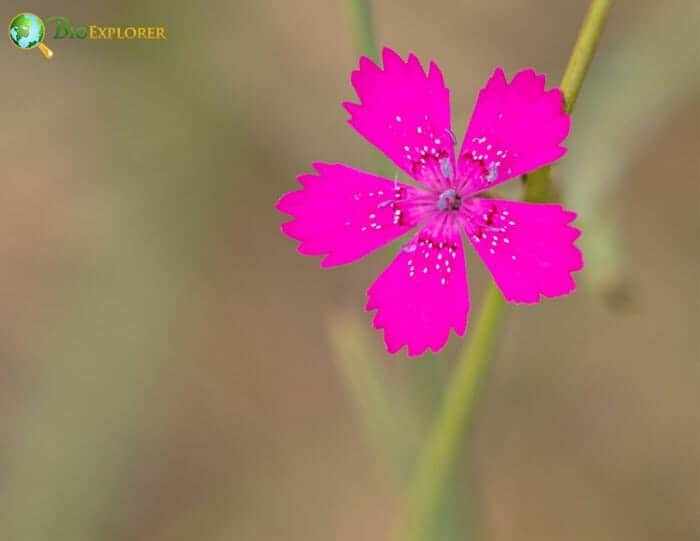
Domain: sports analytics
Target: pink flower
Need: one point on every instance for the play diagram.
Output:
(345, 214)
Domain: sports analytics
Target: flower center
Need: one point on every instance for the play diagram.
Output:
(449, 200)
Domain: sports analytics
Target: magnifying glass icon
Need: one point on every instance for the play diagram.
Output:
(27, 31)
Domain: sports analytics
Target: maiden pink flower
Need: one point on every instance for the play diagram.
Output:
(345, 214)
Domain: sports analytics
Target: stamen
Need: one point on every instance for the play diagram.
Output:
(449, 200)
(446, 168)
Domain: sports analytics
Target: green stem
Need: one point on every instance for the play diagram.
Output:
(453, 418)
(363, 28)
(537, 183)
(583, 52)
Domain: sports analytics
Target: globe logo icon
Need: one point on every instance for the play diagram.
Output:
(27, 31)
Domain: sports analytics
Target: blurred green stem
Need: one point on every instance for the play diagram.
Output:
(453, 417)
(363, 28)
(438, 456)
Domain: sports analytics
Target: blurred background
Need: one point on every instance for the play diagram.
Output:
(170, 368)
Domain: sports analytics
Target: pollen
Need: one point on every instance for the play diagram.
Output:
(449, 200)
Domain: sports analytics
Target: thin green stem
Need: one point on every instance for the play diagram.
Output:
(363, 28)
(583, 52)
(452, 421)
(537, 186)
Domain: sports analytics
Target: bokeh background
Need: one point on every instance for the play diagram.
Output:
(170, 368)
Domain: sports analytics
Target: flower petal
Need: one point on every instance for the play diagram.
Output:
(516, 127)
(528, 247)
(406, 114)
(423, 293)
(346, 213)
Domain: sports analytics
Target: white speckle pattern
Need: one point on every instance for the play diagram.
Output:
(484, 162)
(385, 208)
(485, 222)
(428, 248)
(423, 146)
